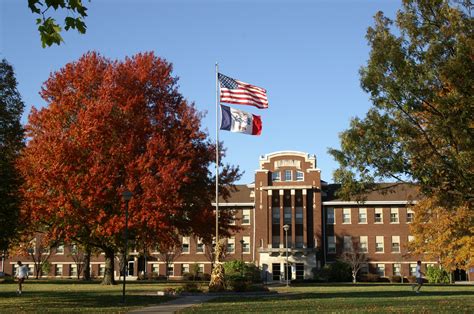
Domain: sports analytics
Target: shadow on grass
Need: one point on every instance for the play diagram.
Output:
(346, 295)
(84, 299)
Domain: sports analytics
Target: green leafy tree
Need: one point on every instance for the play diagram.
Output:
(420, 128)
(48, 27)
(11, 142)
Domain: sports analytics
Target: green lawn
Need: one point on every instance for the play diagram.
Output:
(70, 296)
(363, 298)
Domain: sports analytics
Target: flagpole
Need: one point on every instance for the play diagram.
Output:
(217, 154)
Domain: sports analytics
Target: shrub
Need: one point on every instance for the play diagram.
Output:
(395, 279)
(335, 272)
(252, 273)
(411, 279)
(46, 267)
(188, 277)
(234, 267)
(237, 283)
(437, 275)
(370, 278)
(249, 271)
(191, 287)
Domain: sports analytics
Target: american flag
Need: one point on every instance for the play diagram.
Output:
(240, 93)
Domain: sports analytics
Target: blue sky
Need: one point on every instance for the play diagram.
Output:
(307, 55)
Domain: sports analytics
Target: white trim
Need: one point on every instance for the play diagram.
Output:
(287, 187)
(369, 203)
(235, 204)
(311, 158)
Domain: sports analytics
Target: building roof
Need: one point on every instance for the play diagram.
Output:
(385, 192)
(242, 194)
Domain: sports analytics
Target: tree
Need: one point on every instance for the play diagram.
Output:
(78, 255)
(111, 126)
(169, 252)
(442, 235)
(11, 142)
(38, 248)
(355, 258)
(49, 29)
(420, 127)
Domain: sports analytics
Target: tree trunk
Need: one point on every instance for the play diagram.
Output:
(38, 270)
(354, 276)
(109, 278)
(87, 266)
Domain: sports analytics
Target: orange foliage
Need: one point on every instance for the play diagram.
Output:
(111, 126)
(443, 235)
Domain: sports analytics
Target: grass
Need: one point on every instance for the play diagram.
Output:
(70, 296)
(363, 298)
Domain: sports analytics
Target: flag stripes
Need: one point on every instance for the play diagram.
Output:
(241, 93)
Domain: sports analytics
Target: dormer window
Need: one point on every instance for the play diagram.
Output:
(288, 175)
(299, 175)
(276, 176)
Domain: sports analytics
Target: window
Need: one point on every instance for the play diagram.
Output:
(299, 269)
(288, 176)
(231, 245)
(410, 215)
(397, 269)
(378, 217)
(379, 244)
(276, 271)
(170, 270)
(73, 271)
(287, 216)
(101, 270)
(395, 244)
(74, 249)
(299, 175)
(276, 176)
(347, 243)
(346, 216)
(362, 215)
(246, 217)
(155, 268)
(299, 215)
(330, 216)
(331, 244)
(60, 249)
(276, 215)
(185, 245)
(380, 269)
(412, 269)
(30, 269)
(393, 215)
(246, 245)
(201, 268)
(364, 269)
(411, 238)
(299, 242)
(184, 268)
(58, 270)
(232, 219)
(200, 246)
(363, 244)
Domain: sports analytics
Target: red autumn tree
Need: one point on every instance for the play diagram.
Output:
(111, 126)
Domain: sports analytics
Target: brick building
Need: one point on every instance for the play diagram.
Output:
(287, 193)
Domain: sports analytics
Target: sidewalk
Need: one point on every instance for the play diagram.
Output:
(177, 304)
(185, 301)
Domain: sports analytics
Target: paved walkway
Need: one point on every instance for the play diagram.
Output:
(177, 304)
(185, 301)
